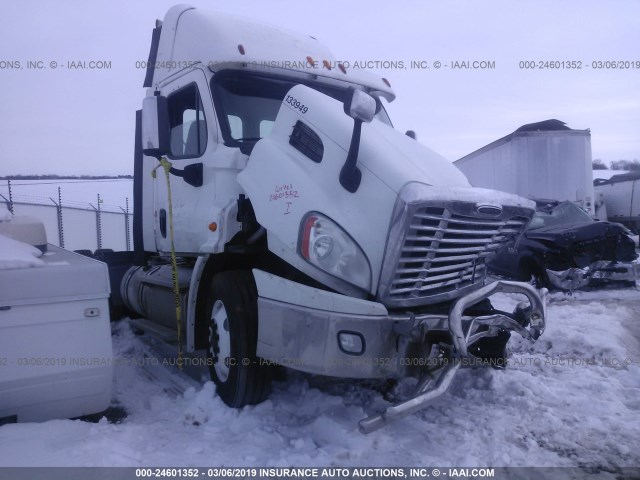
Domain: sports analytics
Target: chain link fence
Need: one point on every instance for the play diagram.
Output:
(76, 226)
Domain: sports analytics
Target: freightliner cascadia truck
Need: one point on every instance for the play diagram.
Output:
(281, 220)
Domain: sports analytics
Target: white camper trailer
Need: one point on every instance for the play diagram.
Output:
(539, 160)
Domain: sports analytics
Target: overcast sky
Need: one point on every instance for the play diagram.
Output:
(82, 121)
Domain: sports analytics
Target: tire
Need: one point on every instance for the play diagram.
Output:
(232, 311)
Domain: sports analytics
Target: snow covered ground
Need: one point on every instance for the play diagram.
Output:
(572, 399)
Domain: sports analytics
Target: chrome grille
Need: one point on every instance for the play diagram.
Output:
(443, 251)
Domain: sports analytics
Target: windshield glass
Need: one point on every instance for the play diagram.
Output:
(565, 213)
(247, 104)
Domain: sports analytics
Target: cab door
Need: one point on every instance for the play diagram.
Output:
(193, 143)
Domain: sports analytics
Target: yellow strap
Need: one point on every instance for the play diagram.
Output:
(166, 165)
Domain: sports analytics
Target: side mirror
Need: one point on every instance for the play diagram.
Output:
(411, 134)
(155, 126)
(360, 105)
(192, 174)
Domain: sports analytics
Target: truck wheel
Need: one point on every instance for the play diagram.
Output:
(233, 335)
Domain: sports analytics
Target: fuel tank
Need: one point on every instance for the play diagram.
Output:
(148, 291)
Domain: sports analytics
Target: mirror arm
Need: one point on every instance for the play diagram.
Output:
(350, 175)
(176, 172)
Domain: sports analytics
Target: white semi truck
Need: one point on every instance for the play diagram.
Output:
(543, 160)
(281, 220)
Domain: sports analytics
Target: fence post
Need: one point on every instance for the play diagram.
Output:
(127, 231)
(60, 224)
(99, 224)
(58, 205)
(10, 197)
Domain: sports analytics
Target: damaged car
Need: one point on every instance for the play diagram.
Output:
(564, 248)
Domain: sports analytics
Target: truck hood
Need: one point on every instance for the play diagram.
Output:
(398, 159)
(294, 172)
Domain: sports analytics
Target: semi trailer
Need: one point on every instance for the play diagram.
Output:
(281, 220)
(539, 160)
(620, 199)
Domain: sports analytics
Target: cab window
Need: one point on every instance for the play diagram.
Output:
(187, 122)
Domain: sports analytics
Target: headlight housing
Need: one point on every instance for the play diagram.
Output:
(327, 246)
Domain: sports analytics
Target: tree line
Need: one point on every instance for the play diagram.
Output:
(634, 165)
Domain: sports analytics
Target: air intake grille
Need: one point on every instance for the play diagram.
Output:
(443, 252)
(307, 142)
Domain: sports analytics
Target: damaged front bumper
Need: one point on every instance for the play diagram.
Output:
(330, 334)
(603, 271)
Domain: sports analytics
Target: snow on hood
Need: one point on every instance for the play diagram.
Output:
(15, 254)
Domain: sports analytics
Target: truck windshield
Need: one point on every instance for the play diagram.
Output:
(247, 104)
(565, 213)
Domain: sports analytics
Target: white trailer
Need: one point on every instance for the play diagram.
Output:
(620, 195)
(55, 337)
(539, 160)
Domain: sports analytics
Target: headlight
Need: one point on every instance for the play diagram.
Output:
(327, 246)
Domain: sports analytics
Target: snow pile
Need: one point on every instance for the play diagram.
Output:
(570, 400)
(15, 254)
